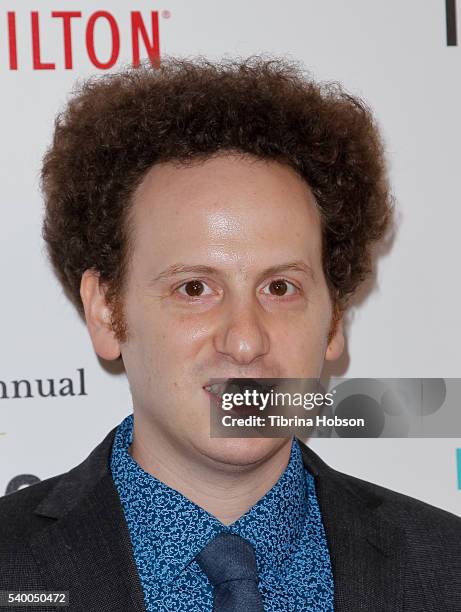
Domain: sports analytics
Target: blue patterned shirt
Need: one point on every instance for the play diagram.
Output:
(168, 530)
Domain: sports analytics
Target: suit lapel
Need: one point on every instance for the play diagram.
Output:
(367, 551)
(86, 549)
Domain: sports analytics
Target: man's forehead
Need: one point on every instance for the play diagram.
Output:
(225, 173)
(195, 215)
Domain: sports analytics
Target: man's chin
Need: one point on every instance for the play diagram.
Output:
(228, 453)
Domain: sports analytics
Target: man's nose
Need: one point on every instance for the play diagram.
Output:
(242, 335)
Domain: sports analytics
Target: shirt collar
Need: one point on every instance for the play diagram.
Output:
(173, 529)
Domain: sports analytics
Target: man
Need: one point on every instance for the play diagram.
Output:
(212, 221)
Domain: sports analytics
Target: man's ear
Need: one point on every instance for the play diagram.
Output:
(336, 339)
(98, 316)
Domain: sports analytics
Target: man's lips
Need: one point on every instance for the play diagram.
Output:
(216, 401)
(239, 385)
(215, 389)
(232, 386)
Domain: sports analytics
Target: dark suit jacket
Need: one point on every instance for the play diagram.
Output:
(389, 552)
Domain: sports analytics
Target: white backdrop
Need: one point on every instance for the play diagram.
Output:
(392, 53)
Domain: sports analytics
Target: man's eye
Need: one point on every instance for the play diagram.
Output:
(279, 288)
(193, 288)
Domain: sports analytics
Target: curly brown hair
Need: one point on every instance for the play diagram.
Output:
(116, 126)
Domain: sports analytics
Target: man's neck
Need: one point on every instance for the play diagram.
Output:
(225, 491)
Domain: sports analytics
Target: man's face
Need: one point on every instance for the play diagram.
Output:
(209, 243)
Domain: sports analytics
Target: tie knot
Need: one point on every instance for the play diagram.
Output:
(228, 557)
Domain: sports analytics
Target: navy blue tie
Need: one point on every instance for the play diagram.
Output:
(229, 562)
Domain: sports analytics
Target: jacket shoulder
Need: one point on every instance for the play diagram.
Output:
(411, 513)
(25, 511)
(389, 504)
(17, 517)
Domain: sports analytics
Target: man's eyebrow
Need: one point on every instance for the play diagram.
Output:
(179, 268)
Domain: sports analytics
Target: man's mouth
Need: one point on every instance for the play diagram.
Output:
(215, 389)
(240, 385)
